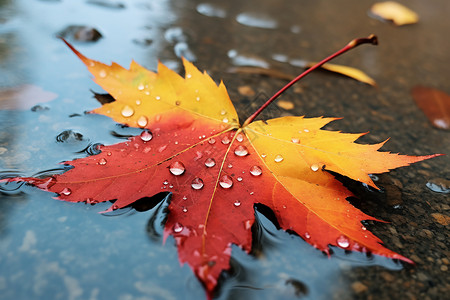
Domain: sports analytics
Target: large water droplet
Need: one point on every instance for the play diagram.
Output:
(241, 150)
(146, 136)
(240, 137)
(255, 171)
(66, 192)
(315, 167)
(127, 111)
(278, 158)
(237, 203)
(343, 242)
(212, 141)
(226, 140)
(177, 228)
(177, 168)
(197, 183)
(142, 121)
(102, 162)
(226, 182)
(210, 162)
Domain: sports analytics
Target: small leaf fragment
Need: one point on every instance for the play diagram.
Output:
(347, 71)
(394, 12)
(435, 104)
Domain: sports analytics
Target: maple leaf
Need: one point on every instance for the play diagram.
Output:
(193, 146)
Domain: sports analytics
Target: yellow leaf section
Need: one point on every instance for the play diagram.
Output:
(395, 12)
(347, 71)
(143, 96)
(296, 147)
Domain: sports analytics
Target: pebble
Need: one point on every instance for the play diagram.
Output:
(287, 105)
(358, 287)
(441, 219)
(246, 90)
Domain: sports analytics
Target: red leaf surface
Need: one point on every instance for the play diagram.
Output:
(193, 146)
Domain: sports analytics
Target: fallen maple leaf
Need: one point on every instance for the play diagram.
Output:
(395, 12)
(347, 71)
(193, 146)
(435, 104)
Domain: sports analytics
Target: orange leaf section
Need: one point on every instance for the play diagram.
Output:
(435, 104)
(192, 146)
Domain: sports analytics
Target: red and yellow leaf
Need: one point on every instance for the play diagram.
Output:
(193, 146)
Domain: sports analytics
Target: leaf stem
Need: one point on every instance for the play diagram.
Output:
(371, 39)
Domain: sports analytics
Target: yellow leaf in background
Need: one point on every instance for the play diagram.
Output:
(347, 71)
(395, 12)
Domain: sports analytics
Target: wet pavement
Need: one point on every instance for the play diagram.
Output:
(55, 250)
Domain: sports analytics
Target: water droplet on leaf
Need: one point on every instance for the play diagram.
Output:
(197, 184)
(237, 203)
(102, 162)
(226, 182)
(343, 242)
(177, 227)
(141, 86)
(212, 141)
(177, 168)
(127, 111)
(295, 140)
(255, 171)
(315, 167)
(226, 140)
(240, 137)
(278, 158)
(146, 136)
(102, 74)
(241, 150)
(210, 162)
(142, 121)
(66, 191)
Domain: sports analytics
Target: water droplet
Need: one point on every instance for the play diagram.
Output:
(307, 235)
(109, 153)
(114, 207)
(102, 74)
(248, 224)
(278, 158)
(306, 130)
(177, 168)
(315, 167)
(166, 182)
(177, 228)
(185, 210)
(197, 184)
(141, 86)
(439, 185)
(225, 120)
(226, 140)
(223, 112)
(158, 118)
(66, 192)
(295, 140)
(158, 98)
(239, 179)
(138, 102)
(162, 148)
(343, 242)
(363, 228)
(102, 161)
(142, 121)
(240, 137)
(210, 162)
(230, 166)
(198, 98)
(255, 171)
(188, 75)
(146, 135)
(263, 155)
(184, 198)
(177, 103)
(237, 203)
(127, 111)
(212, 141)
(226, 182)
(241, 150)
